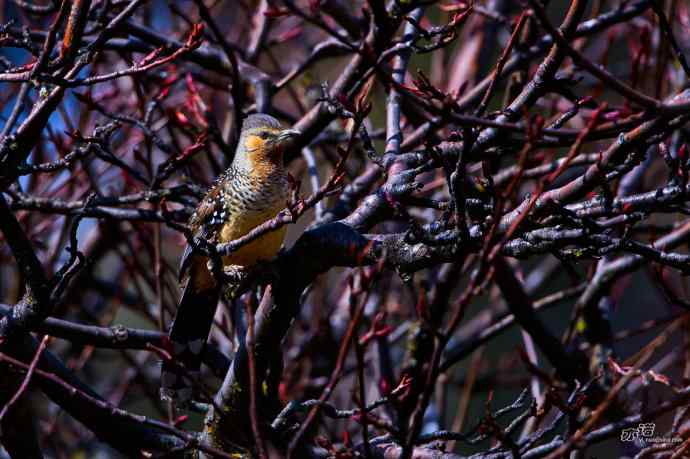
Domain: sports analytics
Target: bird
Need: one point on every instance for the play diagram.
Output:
(253, 190)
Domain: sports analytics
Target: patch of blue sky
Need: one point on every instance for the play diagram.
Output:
(16, 56)
(56, 123)
(162, 19)
(86, 226)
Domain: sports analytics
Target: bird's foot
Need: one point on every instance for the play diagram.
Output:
(235, 276)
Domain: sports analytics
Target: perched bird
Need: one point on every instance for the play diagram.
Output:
(251, 191)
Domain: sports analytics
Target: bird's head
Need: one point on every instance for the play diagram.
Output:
(262, 143)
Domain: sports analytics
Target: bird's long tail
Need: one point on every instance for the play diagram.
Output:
(188, 336)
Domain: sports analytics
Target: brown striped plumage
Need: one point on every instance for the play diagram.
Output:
(252, 191)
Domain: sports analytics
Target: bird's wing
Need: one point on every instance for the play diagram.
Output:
(205, 223)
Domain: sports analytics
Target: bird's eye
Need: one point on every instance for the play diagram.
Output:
(265, 134)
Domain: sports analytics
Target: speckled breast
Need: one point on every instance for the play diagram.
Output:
(254, 203)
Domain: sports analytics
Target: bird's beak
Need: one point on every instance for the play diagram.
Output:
(288, 134)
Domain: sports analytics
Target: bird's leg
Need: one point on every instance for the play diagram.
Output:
(235, 276)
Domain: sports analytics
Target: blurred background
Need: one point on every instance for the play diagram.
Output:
(150, 119)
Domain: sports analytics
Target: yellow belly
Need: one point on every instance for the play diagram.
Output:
(262, 249)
